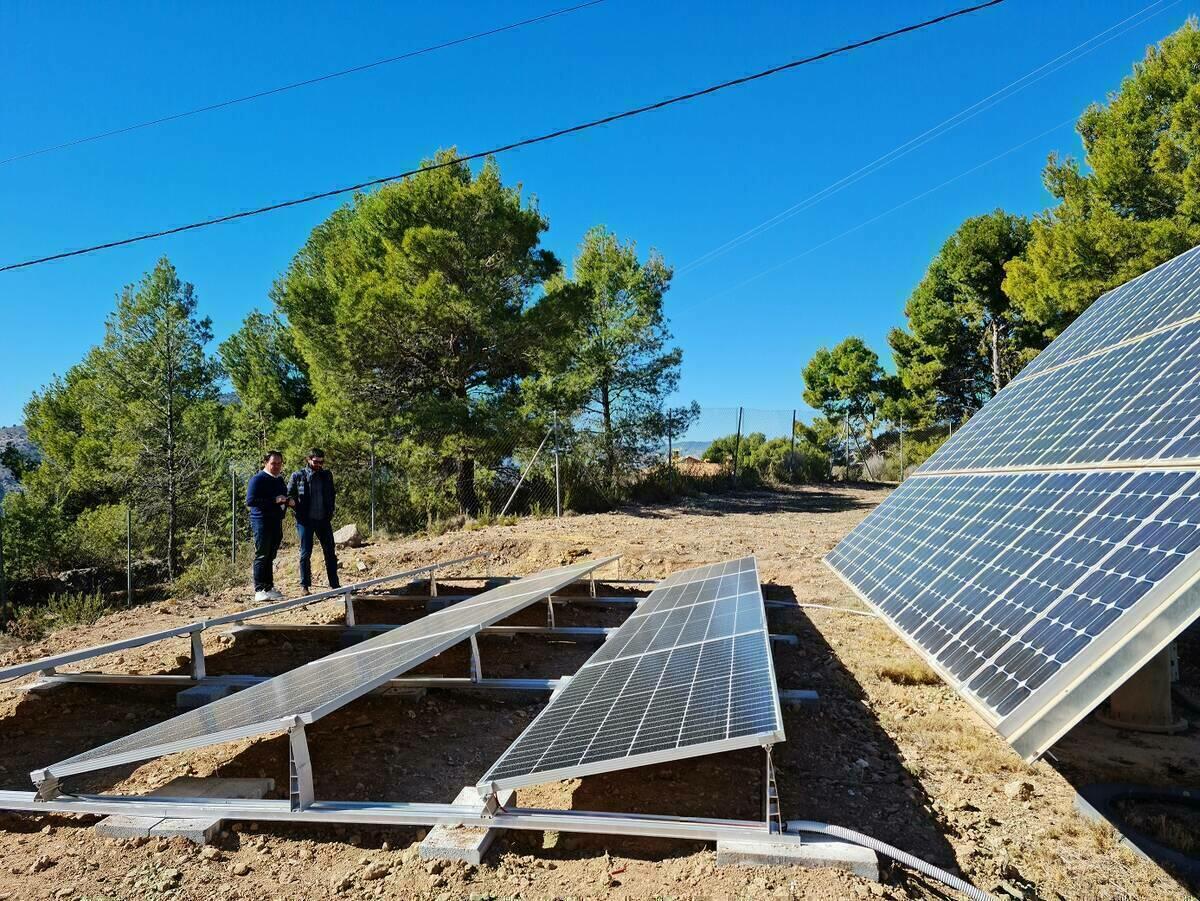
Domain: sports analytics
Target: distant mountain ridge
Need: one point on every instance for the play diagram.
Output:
(14, 436)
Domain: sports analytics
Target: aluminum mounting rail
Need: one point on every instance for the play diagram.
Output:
(47, 664)
(399, 814)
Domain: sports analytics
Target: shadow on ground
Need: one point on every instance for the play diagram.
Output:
(782, 499)
(1093, 752)
(839, 765)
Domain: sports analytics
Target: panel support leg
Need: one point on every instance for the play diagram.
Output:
(476, 665)
(300, 784)
(771, 814)
(349, 596)
(198, 670)
(433, 584)
(592, 583)
(550, 612)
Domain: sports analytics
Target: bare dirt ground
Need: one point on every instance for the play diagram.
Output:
(889, 750)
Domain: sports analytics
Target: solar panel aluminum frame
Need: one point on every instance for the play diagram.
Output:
(61, 770)
(1155, 619)
(650, 758)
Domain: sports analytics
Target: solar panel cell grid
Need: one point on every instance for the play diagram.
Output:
(1002, 580)
(1161, 297)
(690, 672)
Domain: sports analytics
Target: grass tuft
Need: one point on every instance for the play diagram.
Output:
(915, 673)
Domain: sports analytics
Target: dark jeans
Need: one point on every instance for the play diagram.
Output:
(321, 530)
(268, 535)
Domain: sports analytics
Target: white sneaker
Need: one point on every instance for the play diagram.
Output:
(275, 595)
(261, 596)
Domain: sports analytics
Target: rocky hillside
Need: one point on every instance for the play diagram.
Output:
(16, 437)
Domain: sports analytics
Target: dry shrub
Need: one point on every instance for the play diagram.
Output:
(914, 673)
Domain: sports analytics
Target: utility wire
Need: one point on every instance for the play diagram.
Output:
(963, 115)
(863, 224)
(300, 84)
(526, 142)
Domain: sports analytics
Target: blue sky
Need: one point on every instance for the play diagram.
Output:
(685, 180)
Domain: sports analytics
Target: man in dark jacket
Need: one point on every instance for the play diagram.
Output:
(266, 496)
(312, 496)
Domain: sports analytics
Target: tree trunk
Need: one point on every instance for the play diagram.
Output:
(997, 376)
(610, 461)
(464, 488)
(172, 487)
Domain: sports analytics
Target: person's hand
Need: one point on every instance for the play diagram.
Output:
(281, 499)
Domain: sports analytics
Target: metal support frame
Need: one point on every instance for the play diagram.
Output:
(300, 782)
(550, 612)
(197, 667)
(349, 602)
(476, 663)
(238, 682)
(393, 814)
(771, 813)
(48, 663)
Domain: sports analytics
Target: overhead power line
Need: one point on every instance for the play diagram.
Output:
(525, 142)
(1043, 71)
(298, 84)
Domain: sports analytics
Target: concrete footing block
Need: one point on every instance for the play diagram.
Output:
(199, 830)
(466, 843)
(814, 851)
(211, 689)
(799, 697)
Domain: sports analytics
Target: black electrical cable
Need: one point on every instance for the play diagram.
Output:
(301, 84)
(845, 48)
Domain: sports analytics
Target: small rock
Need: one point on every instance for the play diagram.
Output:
(375, 871)
(1019, 790)
(42, 863)
(434, 867)
(208, 852)
(240, 868)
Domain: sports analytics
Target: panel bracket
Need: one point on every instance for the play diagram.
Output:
(476, 664)
(771, 813)
(300, 783)
(349, 600)
(198, 669)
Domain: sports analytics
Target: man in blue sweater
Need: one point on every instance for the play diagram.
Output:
(310, 493)
(266, 496)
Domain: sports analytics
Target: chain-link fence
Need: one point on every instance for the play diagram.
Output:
(142, 549)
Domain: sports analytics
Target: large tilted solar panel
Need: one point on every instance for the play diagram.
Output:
(1162, 296)
(689, 673)
(318, 688)
(1047, 550)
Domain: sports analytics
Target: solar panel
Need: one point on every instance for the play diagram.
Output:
(1047, 550)
(318, 688)
(689, 673)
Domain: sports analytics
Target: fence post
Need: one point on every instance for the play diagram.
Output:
(372, 486)
(901, 450)
(232, 515)
(557, 478)
(792, 458)
(128, 556)
(737, 443)
(4, 611)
